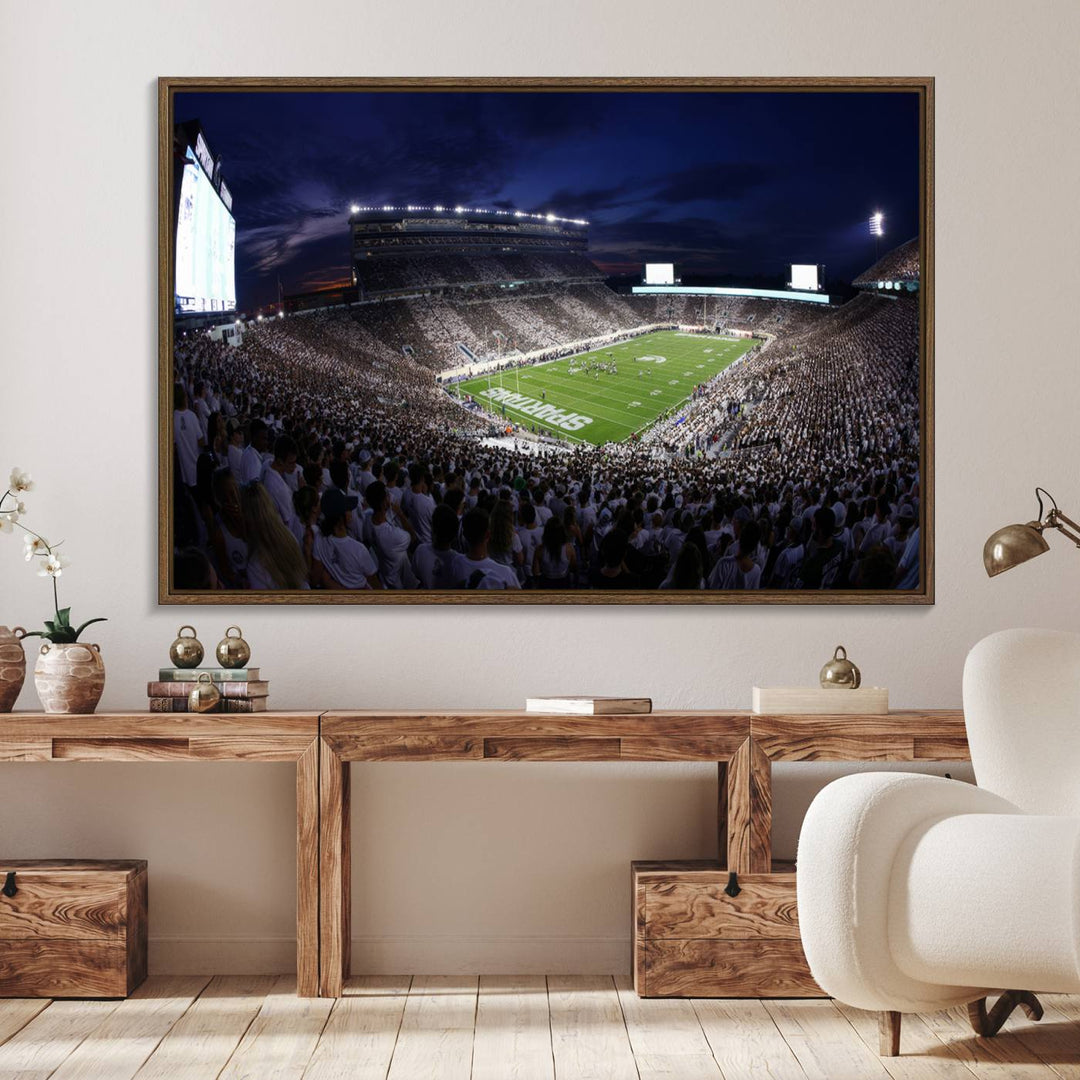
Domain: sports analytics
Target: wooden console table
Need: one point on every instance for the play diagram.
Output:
(743, 745)
(323, 745)
(261, 737)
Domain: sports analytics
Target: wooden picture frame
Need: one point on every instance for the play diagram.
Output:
(923, 89)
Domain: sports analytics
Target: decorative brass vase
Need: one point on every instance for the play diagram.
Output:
(233, 652)
(186, 652)
(69, 678)
(840, 673)
(12, 666)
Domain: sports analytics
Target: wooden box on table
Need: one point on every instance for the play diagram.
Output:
(693, 939)
(71, 928)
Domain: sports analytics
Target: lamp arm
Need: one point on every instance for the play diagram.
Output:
(1055, 519)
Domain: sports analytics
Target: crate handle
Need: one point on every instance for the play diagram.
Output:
(732, 887)
(9, 884)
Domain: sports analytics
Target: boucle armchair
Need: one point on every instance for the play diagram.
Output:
(918, 893)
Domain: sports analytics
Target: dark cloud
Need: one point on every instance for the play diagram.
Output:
(719, 181)
(683, 240)
(589, 200)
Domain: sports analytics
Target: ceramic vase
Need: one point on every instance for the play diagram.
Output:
(69, 678)
(12, 666)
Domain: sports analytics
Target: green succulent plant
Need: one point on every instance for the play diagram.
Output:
(60, 631)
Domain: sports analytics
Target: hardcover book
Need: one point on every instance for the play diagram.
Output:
(191, 674)
(588, 706)
(246, 705)
(229, 705)
(226, 689)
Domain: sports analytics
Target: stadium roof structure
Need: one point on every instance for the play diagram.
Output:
(899, 268)
(464, 211)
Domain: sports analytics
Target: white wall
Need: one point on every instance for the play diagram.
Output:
(495, 867)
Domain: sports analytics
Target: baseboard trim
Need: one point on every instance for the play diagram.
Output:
(431, 954)
(446, 954)
(183, 955)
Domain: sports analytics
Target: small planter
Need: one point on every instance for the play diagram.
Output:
(69, 678)
(12, 666)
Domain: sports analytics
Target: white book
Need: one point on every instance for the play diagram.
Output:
(818, 701)
(588, 706)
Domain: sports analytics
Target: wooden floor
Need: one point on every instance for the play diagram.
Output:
(522, 1027)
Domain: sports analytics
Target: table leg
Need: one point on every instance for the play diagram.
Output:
(307, 872)
(334, 872)
(722, 813)
(749, 810)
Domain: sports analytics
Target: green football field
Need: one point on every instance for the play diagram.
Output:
(654, 374)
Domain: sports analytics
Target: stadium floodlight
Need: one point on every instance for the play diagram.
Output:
(877, 223)
(551, 217)
(354, 209)
(459, 209)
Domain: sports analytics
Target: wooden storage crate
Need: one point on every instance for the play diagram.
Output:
(692, 939)
(72, 928)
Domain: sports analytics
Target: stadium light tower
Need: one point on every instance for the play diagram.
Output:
(354, 209)
(877, 230)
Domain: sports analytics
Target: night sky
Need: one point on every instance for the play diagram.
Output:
(722, 184)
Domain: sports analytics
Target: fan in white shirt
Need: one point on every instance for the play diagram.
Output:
(346, 561)
(275, 477)
(187, 434)
(475, 570)
(530, 534)
(434, 562)
(418, 504)
(391, 541)
(253, 459)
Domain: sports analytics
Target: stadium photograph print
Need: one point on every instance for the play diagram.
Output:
(546, 341)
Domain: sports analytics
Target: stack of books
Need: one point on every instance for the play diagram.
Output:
(241, 689)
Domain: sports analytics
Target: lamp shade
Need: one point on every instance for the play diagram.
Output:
(1012, 545)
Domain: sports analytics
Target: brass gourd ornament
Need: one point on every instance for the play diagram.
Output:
(204, 696)
(840, 673)
(186, 652)
(233, 652)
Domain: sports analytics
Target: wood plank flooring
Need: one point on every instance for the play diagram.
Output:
(523, 1027)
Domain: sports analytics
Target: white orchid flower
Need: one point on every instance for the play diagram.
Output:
(20, 481)
(53, 566)
(7, 520)
(34, 545)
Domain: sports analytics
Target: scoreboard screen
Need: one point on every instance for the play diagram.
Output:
(659, 273)
(205, 245)
(805, 276)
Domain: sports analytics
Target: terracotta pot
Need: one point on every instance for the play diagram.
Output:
(12, 666)
(69, 678)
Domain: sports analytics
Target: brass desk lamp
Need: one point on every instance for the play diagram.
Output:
(1014, 544)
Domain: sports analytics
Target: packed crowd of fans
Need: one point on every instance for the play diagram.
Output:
(899, 265)
(425, 271)
(321, 454)
(445, 330)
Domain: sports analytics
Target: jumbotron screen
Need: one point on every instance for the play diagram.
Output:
(205, 245)
(805, 276)
(659, 273)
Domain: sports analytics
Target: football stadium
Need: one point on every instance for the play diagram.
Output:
(479, 406)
